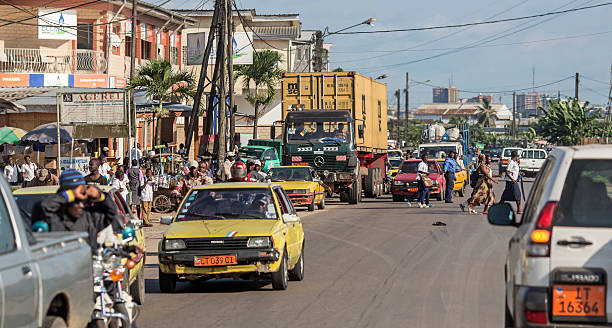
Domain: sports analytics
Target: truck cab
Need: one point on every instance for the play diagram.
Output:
(268, 151)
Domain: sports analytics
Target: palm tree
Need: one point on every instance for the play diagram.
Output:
(265, 75)
(486, 114)
(567, 122)
(162, 84)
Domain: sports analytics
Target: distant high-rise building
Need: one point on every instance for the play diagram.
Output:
(446, 95)
(528, 104)
(480, 98)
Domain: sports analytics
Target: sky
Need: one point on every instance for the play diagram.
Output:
(504, 59)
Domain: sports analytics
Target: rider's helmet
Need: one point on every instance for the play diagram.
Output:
(239, 171)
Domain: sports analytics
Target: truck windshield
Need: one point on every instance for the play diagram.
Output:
(251, 153)
(436, 151)
(290, 174)
(228, 204)
(318, 130)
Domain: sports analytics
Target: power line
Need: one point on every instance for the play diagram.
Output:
(252, 30)
(508, 91)
(480, 23)
(53, 12)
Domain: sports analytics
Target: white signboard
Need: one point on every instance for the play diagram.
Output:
(80, 164)
(57, 24)
(93, 108)
(55, 80)
(243, 50)
(196, 42)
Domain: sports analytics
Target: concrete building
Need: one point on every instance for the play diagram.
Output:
(446, 95)
(467, 111)
(528, 104)
(479, 99)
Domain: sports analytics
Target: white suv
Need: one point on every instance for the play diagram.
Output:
(560, 257)
(506, 154)
(532, 160)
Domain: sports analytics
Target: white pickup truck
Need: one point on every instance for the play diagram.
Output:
(45, 279)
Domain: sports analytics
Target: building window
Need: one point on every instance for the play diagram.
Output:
(184, 56)
(145, 49)
(85, 36)
(174, 55)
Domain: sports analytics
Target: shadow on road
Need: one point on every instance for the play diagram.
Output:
(211, 286)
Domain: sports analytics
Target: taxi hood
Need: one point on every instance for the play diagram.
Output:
(222, 228)
(288, 185)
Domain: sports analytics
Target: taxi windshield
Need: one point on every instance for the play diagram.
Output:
(290, 174)
(228, 204)
(412, 166)
(395, 162)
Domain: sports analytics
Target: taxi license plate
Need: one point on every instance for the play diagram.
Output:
(579, 301)
(214, 260)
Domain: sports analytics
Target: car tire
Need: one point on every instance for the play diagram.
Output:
(462, 191)
(167, 282)
(280, 278)
(311, 206)
(137, 289)
(398, 198)
(54, 322)
(297, 273)
(508, 320)
(321, 205)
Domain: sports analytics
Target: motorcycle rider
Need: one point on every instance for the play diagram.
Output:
(79, 207)
(239, 172)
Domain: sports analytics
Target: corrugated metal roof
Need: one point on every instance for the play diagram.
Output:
(13, 94)
(277, 31)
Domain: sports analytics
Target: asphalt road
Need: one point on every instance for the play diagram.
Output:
(377, 264)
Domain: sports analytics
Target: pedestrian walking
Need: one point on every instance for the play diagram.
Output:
(135, 179)
(225, 170)
(512, 191)
(483, 193)
(424, 182)
(12, 171)
(450, 167)
(135, 152)
(121, 183)
(94, 176)
(28, 170)
(146, 197)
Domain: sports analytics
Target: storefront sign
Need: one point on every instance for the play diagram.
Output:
(93, 108)
(14, 80)
(80, 164)
(55, 80)
(57, 24)
(90, 81)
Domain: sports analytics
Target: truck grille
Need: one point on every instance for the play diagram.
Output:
(211, 244)
(329, 162)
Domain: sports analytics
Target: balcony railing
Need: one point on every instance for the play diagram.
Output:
(21, 60)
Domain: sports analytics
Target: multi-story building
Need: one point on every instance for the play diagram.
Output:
(528, 104)
(480, 98)
(468, 112)
(448, 95)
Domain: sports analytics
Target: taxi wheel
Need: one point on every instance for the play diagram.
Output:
(311, 206)
(137, 288)
(321, 205)
(462, 191)
(398, 198)
(280, 278)
(297, 273)
(167, 282)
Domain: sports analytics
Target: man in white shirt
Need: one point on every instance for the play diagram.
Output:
(11, 171)
(28, 169)
(122, 183)
(104, 168)
(146, 197)
(512, 192)
(135, 152)
(423, 172)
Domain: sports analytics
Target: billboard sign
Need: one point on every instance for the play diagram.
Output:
(103, 108)
(80, 164)
(243, 50)
(196, 42)
(57, 24)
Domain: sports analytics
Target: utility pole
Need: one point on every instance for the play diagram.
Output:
(407, 104)
(398, 95)
(230, 70)
(318, 59)
(608, 119)
(576, 86)
(222, 102)
(132, 73)
(200, 91)
(513, 117)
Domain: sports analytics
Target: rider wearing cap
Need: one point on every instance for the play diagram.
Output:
(79, 207)
(188, 181)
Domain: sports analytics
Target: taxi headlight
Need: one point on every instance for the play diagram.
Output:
(174, 244)
(399, 182)
(259, 242)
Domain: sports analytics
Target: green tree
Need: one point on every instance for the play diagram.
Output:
(338, 69)
(265, 76)
(162, 84)
(456, 120)
(486, 114)
(566, 122)
(413, 135)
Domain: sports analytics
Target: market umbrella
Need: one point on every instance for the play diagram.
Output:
(46, 134)
(11, 135)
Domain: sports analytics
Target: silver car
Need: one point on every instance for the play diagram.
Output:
(560, 257)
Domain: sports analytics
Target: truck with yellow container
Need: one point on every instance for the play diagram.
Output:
(336, 122)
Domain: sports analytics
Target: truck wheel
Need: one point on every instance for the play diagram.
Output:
(369, 184)
(54, 322)
(167, 282)
(321, 205)
(354, 193)
(280, 278)
(137, 289)
(398, 198)
(344, 196)
(311, 206)
(297, 274)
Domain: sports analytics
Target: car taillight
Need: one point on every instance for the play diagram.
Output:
(536, 316)
(539, 241)
(296, 158)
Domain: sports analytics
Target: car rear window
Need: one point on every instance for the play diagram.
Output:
(586, 200)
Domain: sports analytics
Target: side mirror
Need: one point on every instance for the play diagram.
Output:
(166, 220)
(290, 217)
(502, 214)
(361, 131)
(40, 226)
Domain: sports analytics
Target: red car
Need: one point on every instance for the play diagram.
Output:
(405, 183)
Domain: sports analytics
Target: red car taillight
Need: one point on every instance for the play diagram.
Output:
(536, 316)
(539, 241)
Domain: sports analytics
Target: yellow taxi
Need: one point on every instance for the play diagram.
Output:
(26, 198)
(460, 177)
(301, 184)
(394, 165)
(233, 230)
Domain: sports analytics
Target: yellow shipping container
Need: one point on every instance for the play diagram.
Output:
(364, 97)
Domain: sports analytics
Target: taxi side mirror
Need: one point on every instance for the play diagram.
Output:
(287, 218)
(166, 220)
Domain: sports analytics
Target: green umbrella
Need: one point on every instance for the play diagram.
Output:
(11, 135)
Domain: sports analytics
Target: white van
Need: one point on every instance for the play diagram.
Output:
(532, 160)
(505, 156)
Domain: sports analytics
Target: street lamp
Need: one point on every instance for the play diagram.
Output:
(318, 59)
